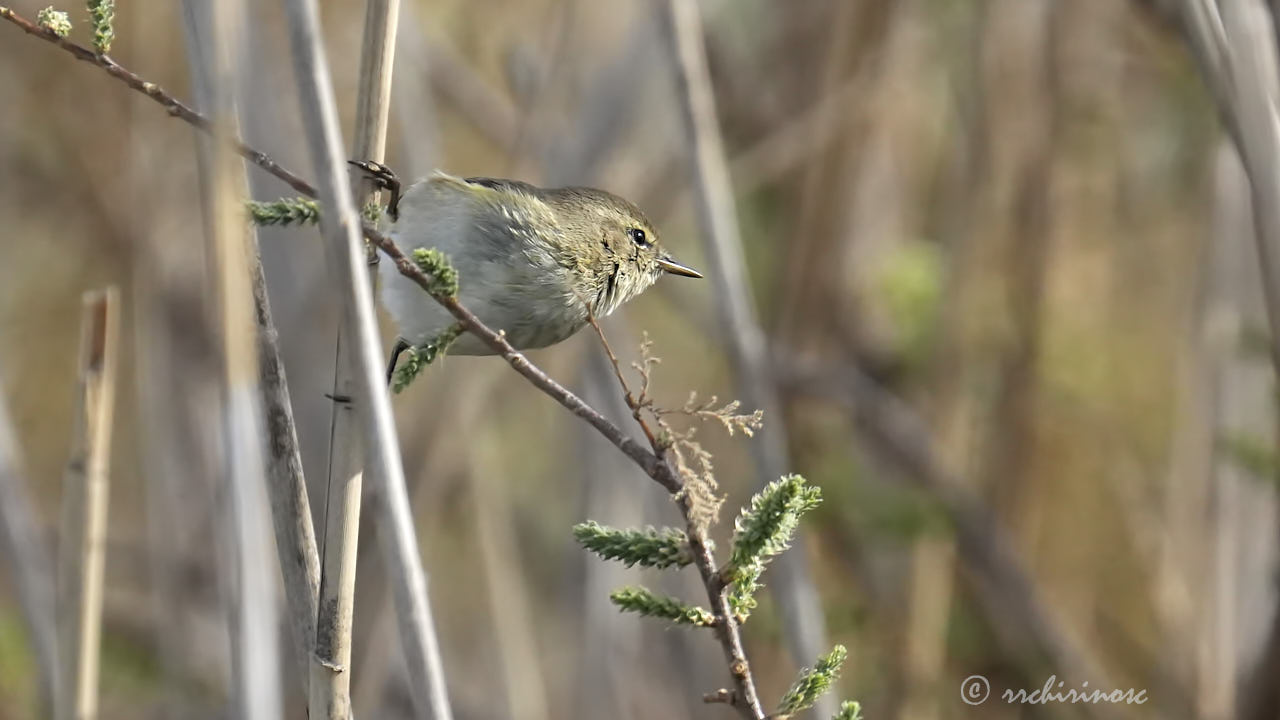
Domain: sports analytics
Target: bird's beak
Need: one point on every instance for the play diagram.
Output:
(666, 264)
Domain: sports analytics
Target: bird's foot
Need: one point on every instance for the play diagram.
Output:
(384, 179)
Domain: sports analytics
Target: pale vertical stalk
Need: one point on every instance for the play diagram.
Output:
(255, 654)
(330, 695)
(508, 603)
(286, 485)
(295, 537)
(416, 115)
(792, 586)
(474, 396)
(1235, 44)
(82, 542)
(344, 250)
(28, 559)
(1210, 529)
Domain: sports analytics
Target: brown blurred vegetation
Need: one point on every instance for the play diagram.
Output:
(1019, 216)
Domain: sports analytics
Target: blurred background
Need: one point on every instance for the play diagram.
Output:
(1003, 256)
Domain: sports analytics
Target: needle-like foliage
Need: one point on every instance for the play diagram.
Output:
(436, 265)
(645, 602)
(813, 683)
(649, 547)
(763, 530)
(285, 211)
(418, 357)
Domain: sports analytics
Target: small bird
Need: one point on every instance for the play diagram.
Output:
(531, 262)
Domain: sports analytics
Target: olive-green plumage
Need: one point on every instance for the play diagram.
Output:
(532, 262)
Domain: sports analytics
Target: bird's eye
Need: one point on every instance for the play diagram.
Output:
(638, 236)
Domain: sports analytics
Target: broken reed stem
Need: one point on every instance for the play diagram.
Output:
(654, 465)
(82, 542)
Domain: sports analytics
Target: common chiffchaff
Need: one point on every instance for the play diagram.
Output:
(531, 262)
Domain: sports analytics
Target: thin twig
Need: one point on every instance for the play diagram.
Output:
(798, 601)
(170, 103)
(82, 551)
(726, 627)
(634, 403)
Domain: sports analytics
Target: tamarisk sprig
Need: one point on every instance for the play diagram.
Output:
(102, 15)
(763, 530)
(650, 547)
(645, 602)
(812, 684)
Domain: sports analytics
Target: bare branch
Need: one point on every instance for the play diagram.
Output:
(170, 103)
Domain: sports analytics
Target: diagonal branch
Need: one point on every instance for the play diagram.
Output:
(174, 106)
(652, 461)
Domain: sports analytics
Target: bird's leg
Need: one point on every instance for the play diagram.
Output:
(383, 178)
(400, 346)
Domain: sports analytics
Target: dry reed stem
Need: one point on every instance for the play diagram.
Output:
(346, 259)
(82, 541)
(252, 600)
(330, 694)
(285, 483)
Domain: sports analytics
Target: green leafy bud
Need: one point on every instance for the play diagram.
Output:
(813, 683)
(436, 265)
(102, 14)
(763, 530)
(640, 600)
(647, 548)
(285, 211)
(417, 358)
(55, 21)
(849, 710)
